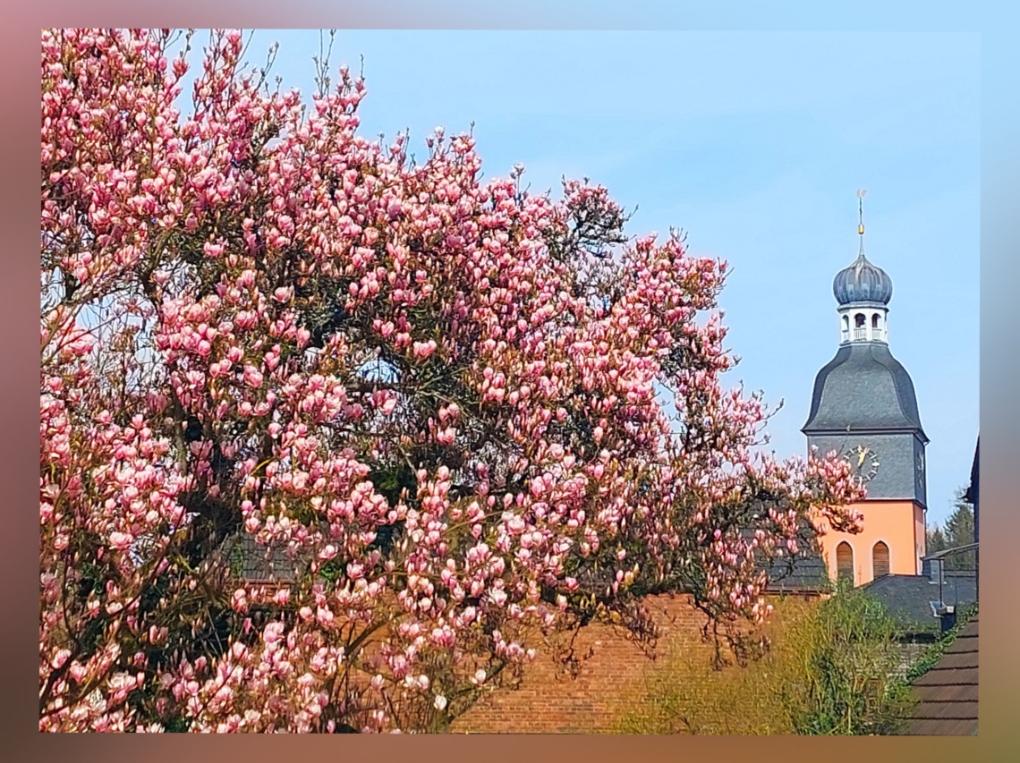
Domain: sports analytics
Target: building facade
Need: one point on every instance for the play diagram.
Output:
(863, 406)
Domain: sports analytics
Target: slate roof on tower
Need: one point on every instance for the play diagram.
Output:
(864, 388)
(863, 399)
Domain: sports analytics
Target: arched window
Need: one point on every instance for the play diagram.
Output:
(844, 562)
(876, 326)
(846, 328)
(880, 559)
(860, 326)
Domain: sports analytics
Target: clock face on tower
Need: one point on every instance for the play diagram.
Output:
(864, 461)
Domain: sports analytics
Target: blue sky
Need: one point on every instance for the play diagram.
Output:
(755, 144)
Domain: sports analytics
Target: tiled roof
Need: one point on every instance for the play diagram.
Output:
(948, 693)
(907, 597)
(255, 563)
(802, 573)
(252, 562)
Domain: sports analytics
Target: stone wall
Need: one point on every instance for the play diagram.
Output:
(909, 653)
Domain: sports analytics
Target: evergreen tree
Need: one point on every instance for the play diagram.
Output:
(957, 531)
(936, 539)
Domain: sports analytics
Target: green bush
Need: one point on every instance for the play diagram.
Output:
(831, 668)
(851, 684)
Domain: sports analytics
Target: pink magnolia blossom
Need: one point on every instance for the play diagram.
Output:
(424, 411)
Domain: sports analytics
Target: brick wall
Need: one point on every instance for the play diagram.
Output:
(610, 679)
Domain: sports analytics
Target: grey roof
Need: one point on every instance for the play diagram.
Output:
(864, 389)
(252, 562)
(907, 597)
(974, 489)
(803, 573)
(862, 282)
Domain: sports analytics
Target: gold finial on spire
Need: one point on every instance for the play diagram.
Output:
(860, 217)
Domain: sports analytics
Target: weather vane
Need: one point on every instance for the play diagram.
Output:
(860, 216)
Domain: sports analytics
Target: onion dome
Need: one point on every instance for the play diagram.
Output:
(862, 282)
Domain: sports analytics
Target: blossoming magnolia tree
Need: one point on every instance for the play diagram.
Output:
(467, 415)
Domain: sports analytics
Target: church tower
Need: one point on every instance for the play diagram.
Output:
(863, 406)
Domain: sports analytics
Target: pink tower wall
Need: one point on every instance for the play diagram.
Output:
(899, 524)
